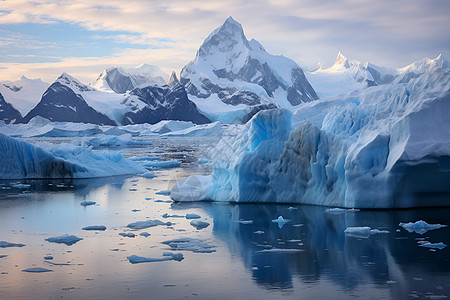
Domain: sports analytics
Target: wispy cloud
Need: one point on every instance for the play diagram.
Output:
(392, 33)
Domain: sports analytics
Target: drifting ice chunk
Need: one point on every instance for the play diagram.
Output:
(281, 221)
(420, 227)
(362, 232)
(64, 239)
(127, 234)
(164, 192)
(279, 250)
(147, 224)
(148, 174)
(198, 224)
(5, 244)
(192, 216)
(87, 203)
(175, 256)
(134, 259)
(94, 227)
(439, 246)
(146, 234)
(190, 244)
(37, 270)
(1, 256)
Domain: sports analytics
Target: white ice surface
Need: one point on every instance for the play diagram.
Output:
(420, 226)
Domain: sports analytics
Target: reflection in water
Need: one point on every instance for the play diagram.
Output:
(390, 261)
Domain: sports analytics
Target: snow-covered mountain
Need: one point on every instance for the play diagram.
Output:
(232, 78)
(24, 93)
(348, 75)
(121, 80)
(8, 114)
(167, 102)
(63, 102)
(69, 100)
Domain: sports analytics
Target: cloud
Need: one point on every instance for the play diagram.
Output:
(392, 33)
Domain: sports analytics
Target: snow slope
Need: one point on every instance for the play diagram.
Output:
(23, 94)
(121, 80)
(24, 160)
(232, 78)
(380, 147)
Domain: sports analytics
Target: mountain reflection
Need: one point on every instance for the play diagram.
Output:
(391, 260)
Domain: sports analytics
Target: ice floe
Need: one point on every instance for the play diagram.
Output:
(199, 224)
(64, 239)
(362, 232)
(190, 244)
(5, 244)
(95, 227)
(147, 224)
(36, 270)
(420, 226)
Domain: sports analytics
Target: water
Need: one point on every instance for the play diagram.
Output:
(323, 262)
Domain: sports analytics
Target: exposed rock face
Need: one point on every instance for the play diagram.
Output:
(62, 102)
(8, 114)
(164, 103)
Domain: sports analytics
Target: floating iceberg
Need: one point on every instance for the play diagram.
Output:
(199, 224)
(5, 244)
(382, 147)
(362, 232)
(64, 239)
(420, 227)
(95, 227)
(190, 244)
(24, 160)
(147, 224)
(134, 259)
(439, 245)
(37, 270)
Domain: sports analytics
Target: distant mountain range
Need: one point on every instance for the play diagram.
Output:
(229, 80)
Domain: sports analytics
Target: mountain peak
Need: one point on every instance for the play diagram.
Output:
(225, 38)
(341, 61)
(173, 80)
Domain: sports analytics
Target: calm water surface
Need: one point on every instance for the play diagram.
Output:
(322, 261)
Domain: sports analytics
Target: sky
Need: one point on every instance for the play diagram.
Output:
(43, 38)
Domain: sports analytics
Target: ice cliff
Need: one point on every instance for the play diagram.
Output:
(381, 147)
(23, 160)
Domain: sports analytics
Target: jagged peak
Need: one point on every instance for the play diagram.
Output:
(341, 61)
(173, 80)
(427, 65)
(230, 33)
(69, 80)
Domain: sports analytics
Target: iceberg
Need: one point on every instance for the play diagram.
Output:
(420, 227)
(24, 160)
(199, 224)
(64, 239)
(146, 224)
(382, 147)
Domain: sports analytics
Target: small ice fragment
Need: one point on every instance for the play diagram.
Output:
(198, 224)
(279, 250)
(94, 227)
(297, 225)
(420, 227)
(281, 221)
(147, 224)
(148, 174)
(292, 208)
(1, 256)
(163, 192)
(135, 210)
(64, 239)
(175, 256)
(259, 232)
(190, 244)
(87, 203)
(132, 190)
(391, 282)
(362, 232)
(293, 241)
(146, 234)
(245, 222)
(202, 161)
(5, 244)
(192, 216)
(166, 215)
(48, 257)
(439, 245)
(36, 270)
(127, 234)
(134, 259)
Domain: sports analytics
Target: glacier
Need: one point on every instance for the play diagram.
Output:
(382, 147)
(24, 160)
